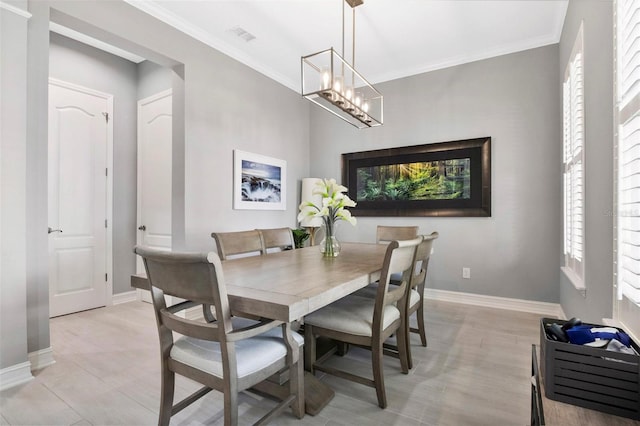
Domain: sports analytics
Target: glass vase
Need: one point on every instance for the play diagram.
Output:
(329, 246)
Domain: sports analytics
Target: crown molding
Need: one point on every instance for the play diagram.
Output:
(11, 8)
(465, 59)
(171, 19)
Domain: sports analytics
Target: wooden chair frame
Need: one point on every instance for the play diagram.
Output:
(386, 234)
(418, 279)
(237, 243)
(398, 258)
(234, 244)
(198, 279)
(277, 238)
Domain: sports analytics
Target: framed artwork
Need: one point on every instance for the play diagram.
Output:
(439, 179)
(259, 182)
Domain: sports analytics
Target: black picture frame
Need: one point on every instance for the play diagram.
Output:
(474, 152)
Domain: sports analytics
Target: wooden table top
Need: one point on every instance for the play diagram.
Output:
(291, 284)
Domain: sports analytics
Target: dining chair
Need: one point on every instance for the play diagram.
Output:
(232, 245)
(415, 295)
(231, 354)
(386, 234)
(238, 243)
(366, 322)
(277, 239)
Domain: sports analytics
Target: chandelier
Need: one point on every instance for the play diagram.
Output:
(329, 81)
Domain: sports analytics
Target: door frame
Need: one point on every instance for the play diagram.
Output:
(109, 181)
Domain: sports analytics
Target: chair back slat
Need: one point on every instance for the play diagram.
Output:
(277, 238)
(423, 253)
(196, 277)
(399, 259)
(386, 234)
(238, 243)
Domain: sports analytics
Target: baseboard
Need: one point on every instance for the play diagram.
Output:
(127, 296)
(42, 358)
(143, 296)
(15, 375)
(542, 308)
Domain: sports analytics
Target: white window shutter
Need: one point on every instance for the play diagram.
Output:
(573, 175)
(628, 164)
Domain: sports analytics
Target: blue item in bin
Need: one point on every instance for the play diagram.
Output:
(582, 334)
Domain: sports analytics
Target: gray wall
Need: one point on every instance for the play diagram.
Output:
(86, 66)
(13, 220)
(152, 79)
(597, 15)
(226, 105)
(513, 99)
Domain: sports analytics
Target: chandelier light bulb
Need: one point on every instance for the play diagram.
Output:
(326, 79)
(337, 84)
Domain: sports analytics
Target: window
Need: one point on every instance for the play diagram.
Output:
(573, 164)
(627, 305)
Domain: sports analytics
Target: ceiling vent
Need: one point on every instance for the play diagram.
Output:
(242, 33)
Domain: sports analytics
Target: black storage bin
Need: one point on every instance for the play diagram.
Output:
(590, 377)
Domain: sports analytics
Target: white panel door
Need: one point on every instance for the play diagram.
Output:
(78, 134)
(154, 172)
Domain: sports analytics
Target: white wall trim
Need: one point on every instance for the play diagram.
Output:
(542, 308)
(126, 297)
(41, 358)
(16, 10)
(15, 375)
(98, 44)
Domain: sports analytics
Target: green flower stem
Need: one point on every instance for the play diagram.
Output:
(328, 240)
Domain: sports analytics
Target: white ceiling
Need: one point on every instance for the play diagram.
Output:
(394, 38)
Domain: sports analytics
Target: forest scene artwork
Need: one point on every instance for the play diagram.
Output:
(259, 182)
(428, 180)
(444, 179)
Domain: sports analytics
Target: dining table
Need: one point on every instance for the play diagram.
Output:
(290, 284)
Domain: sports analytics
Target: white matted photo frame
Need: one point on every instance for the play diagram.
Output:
(259, 182)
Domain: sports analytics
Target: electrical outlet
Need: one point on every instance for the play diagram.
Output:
(466, 273)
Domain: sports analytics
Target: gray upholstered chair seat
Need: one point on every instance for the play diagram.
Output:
(205, 354)
(351, 314)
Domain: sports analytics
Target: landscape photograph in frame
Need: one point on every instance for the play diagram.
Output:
(259, 182)
(439, 179)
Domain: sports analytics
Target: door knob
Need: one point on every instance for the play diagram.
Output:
(142, 228)
(51, 230)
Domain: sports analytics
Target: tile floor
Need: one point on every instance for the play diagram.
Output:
(475, 371)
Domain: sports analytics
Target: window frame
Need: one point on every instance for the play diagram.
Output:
(573, 165)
